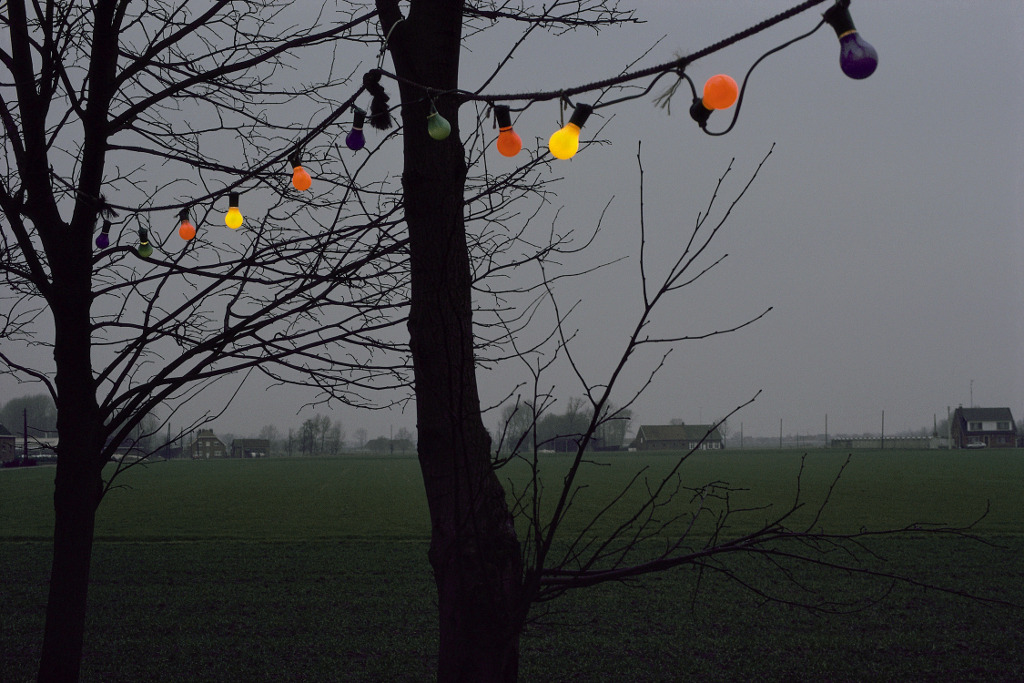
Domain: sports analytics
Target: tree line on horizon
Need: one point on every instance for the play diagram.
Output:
(518, 426)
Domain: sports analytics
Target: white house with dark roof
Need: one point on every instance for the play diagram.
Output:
(983, 427)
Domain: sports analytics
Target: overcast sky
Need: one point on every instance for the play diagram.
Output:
(885, 230)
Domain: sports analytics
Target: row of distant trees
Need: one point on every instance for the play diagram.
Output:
(527, 423)
(317, 435)
(323, 435)
(39, 413)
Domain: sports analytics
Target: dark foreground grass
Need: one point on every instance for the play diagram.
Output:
(316, 571)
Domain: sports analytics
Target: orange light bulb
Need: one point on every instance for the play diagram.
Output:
(720, 92)
(186, 230)
(300, 178)
(509, 142)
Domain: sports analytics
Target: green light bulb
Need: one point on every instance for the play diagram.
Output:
(437, 125)
(145, 248)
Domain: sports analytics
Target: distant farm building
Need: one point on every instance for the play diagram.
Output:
(250, 448)
(207, 445)
(989, 427)
(7, 441)
(677, 438)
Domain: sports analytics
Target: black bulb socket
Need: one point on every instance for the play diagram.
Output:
(699, 113)
(581, 114)
(838, 17)
(358, 117)
(502, 116)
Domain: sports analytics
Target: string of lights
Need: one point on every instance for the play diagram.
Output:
(858, 60)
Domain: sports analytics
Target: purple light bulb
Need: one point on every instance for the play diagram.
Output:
(355, 138)
(857, 57)
(103, 239)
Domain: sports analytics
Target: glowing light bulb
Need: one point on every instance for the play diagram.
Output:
(720, 92)
(103, 239)
(300, 178)
(509, 142)
(857, 58)
(355, 138)
(233, 218)
(145, 248)
(564, 143)
(437, 125)
(186, 230)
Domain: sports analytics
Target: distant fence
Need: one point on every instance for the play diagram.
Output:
(893, 442)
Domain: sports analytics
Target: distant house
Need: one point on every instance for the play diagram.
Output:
(207, 445)
(571, 444)
(677, 438)
(6, 445)
(250, 448)
(993, 427)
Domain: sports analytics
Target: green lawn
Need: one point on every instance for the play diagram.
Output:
(289, 570)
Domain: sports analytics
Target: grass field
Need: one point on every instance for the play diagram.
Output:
(309, 569)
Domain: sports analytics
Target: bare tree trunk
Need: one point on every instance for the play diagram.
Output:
(78, 484)
(75, 498)
(474, 551)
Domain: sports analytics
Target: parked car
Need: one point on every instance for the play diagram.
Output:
(976, 444)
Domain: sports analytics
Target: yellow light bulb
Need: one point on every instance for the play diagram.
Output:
(564, 143)
(233, 218)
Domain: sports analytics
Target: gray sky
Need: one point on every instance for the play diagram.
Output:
(885, 230)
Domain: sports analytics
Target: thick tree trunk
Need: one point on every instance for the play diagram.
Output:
(75, 499)
(78, 486)
(474, 551)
